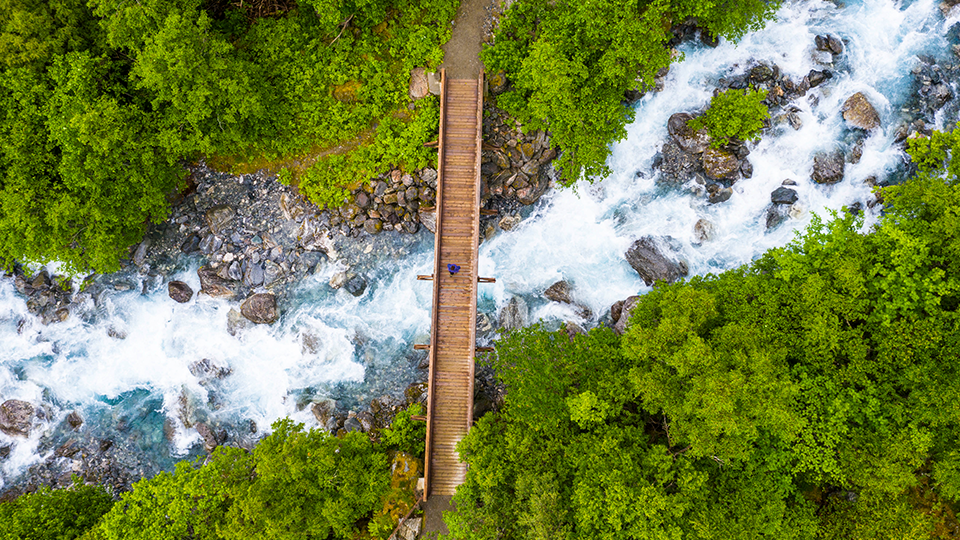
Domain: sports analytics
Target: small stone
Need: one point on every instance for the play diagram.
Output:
(74, 420)
(210, 244)
(721, 195)
(703, 231)
(140, 255)
(179, 291)
(859, 112)
(253, 275)
(508, 223)
(271, 272)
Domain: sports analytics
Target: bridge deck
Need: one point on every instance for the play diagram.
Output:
(453, 330)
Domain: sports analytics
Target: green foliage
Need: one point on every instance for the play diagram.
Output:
(734, 115)
(309, 484)
(47, 514)
(572, 62)
(295, 484)
(810, 394)
(101, 104)
(406, 434)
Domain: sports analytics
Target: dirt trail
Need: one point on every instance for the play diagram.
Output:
(462, 53)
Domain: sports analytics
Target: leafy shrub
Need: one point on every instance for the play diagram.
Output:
(734, 115)
(61, 514)
(406, 434)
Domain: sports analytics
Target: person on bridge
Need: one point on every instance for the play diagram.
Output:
(453, 268)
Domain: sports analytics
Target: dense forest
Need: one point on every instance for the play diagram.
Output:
(104, 102)
(810, 394)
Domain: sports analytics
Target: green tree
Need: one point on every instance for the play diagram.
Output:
(309, 484)
(734, 115)
(61, 514)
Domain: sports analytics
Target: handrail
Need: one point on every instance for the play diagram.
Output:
(435, 312)
(406, 517)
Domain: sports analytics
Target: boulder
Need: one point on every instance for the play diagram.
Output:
(209, 244)
(179, 291)
(828, 167)
(252, 275)
(211, 439)
(429, 220)
(816, 78)
(537, 187)
(720, 195)
(419, 86)
(514, 314)
(647, 257)
(433, 82)
(260, 308)
(236, 323)
(16, 417)
(74, 420)
(783, 195)
(191, 244)
(703, 231)
(720, 164)
(219, 216)
(559, 292)
(690, 140)
(207, 370)
(626, 309)
(213, 285)
(938, 96)
(508, 223)
(140, 255)
(859, 113)
(676, 165)
(372, 226)
(355, 285)
(834, 44)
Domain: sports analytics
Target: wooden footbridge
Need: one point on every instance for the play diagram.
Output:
(454, 319)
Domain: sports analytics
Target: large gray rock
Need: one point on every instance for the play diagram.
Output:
(559, 292)
(514, 314)
(219, 216)
(690, 140)
(213, 285)
(859, 112)
(783, 195)
(429, 220)
(419, 86)
(16, 417)
(675, 164)
(260, 308)
(179, 291)
(828, 167)
(355, 285)
(720, 164)
(648, 257)
(626, 309)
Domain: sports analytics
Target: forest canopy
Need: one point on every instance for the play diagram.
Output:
(810, 394)
(570, 64)
(102, 103)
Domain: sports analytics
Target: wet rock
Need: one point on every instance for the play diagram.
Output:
(514, 314)
(676, 165)
(260, 308)
(68, 449)
(355, 285)
(690, 140)
(823, 58)
(210, 244)
(783, 195)
(828, 167)
(209, 437)
(16, 417)
(508, 223)
(236, 323)
(531, 194)
(816, 78)
(776, 214)
(794, 119)
(761, 73)
(207, 370)
(74, 420)
(938, 96)
(720, 164)
(352, 424)
(419, 87)
(253, 275)
(720, 195)
(179, 291)
(219, 216)
(140, 255)
(834, 44)
(859, 113)
(559, 292)
(649, 258)
(746, 168)
(429, 220)
(213, 285)
(373, 226)
(703, 231)
(626, 309)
